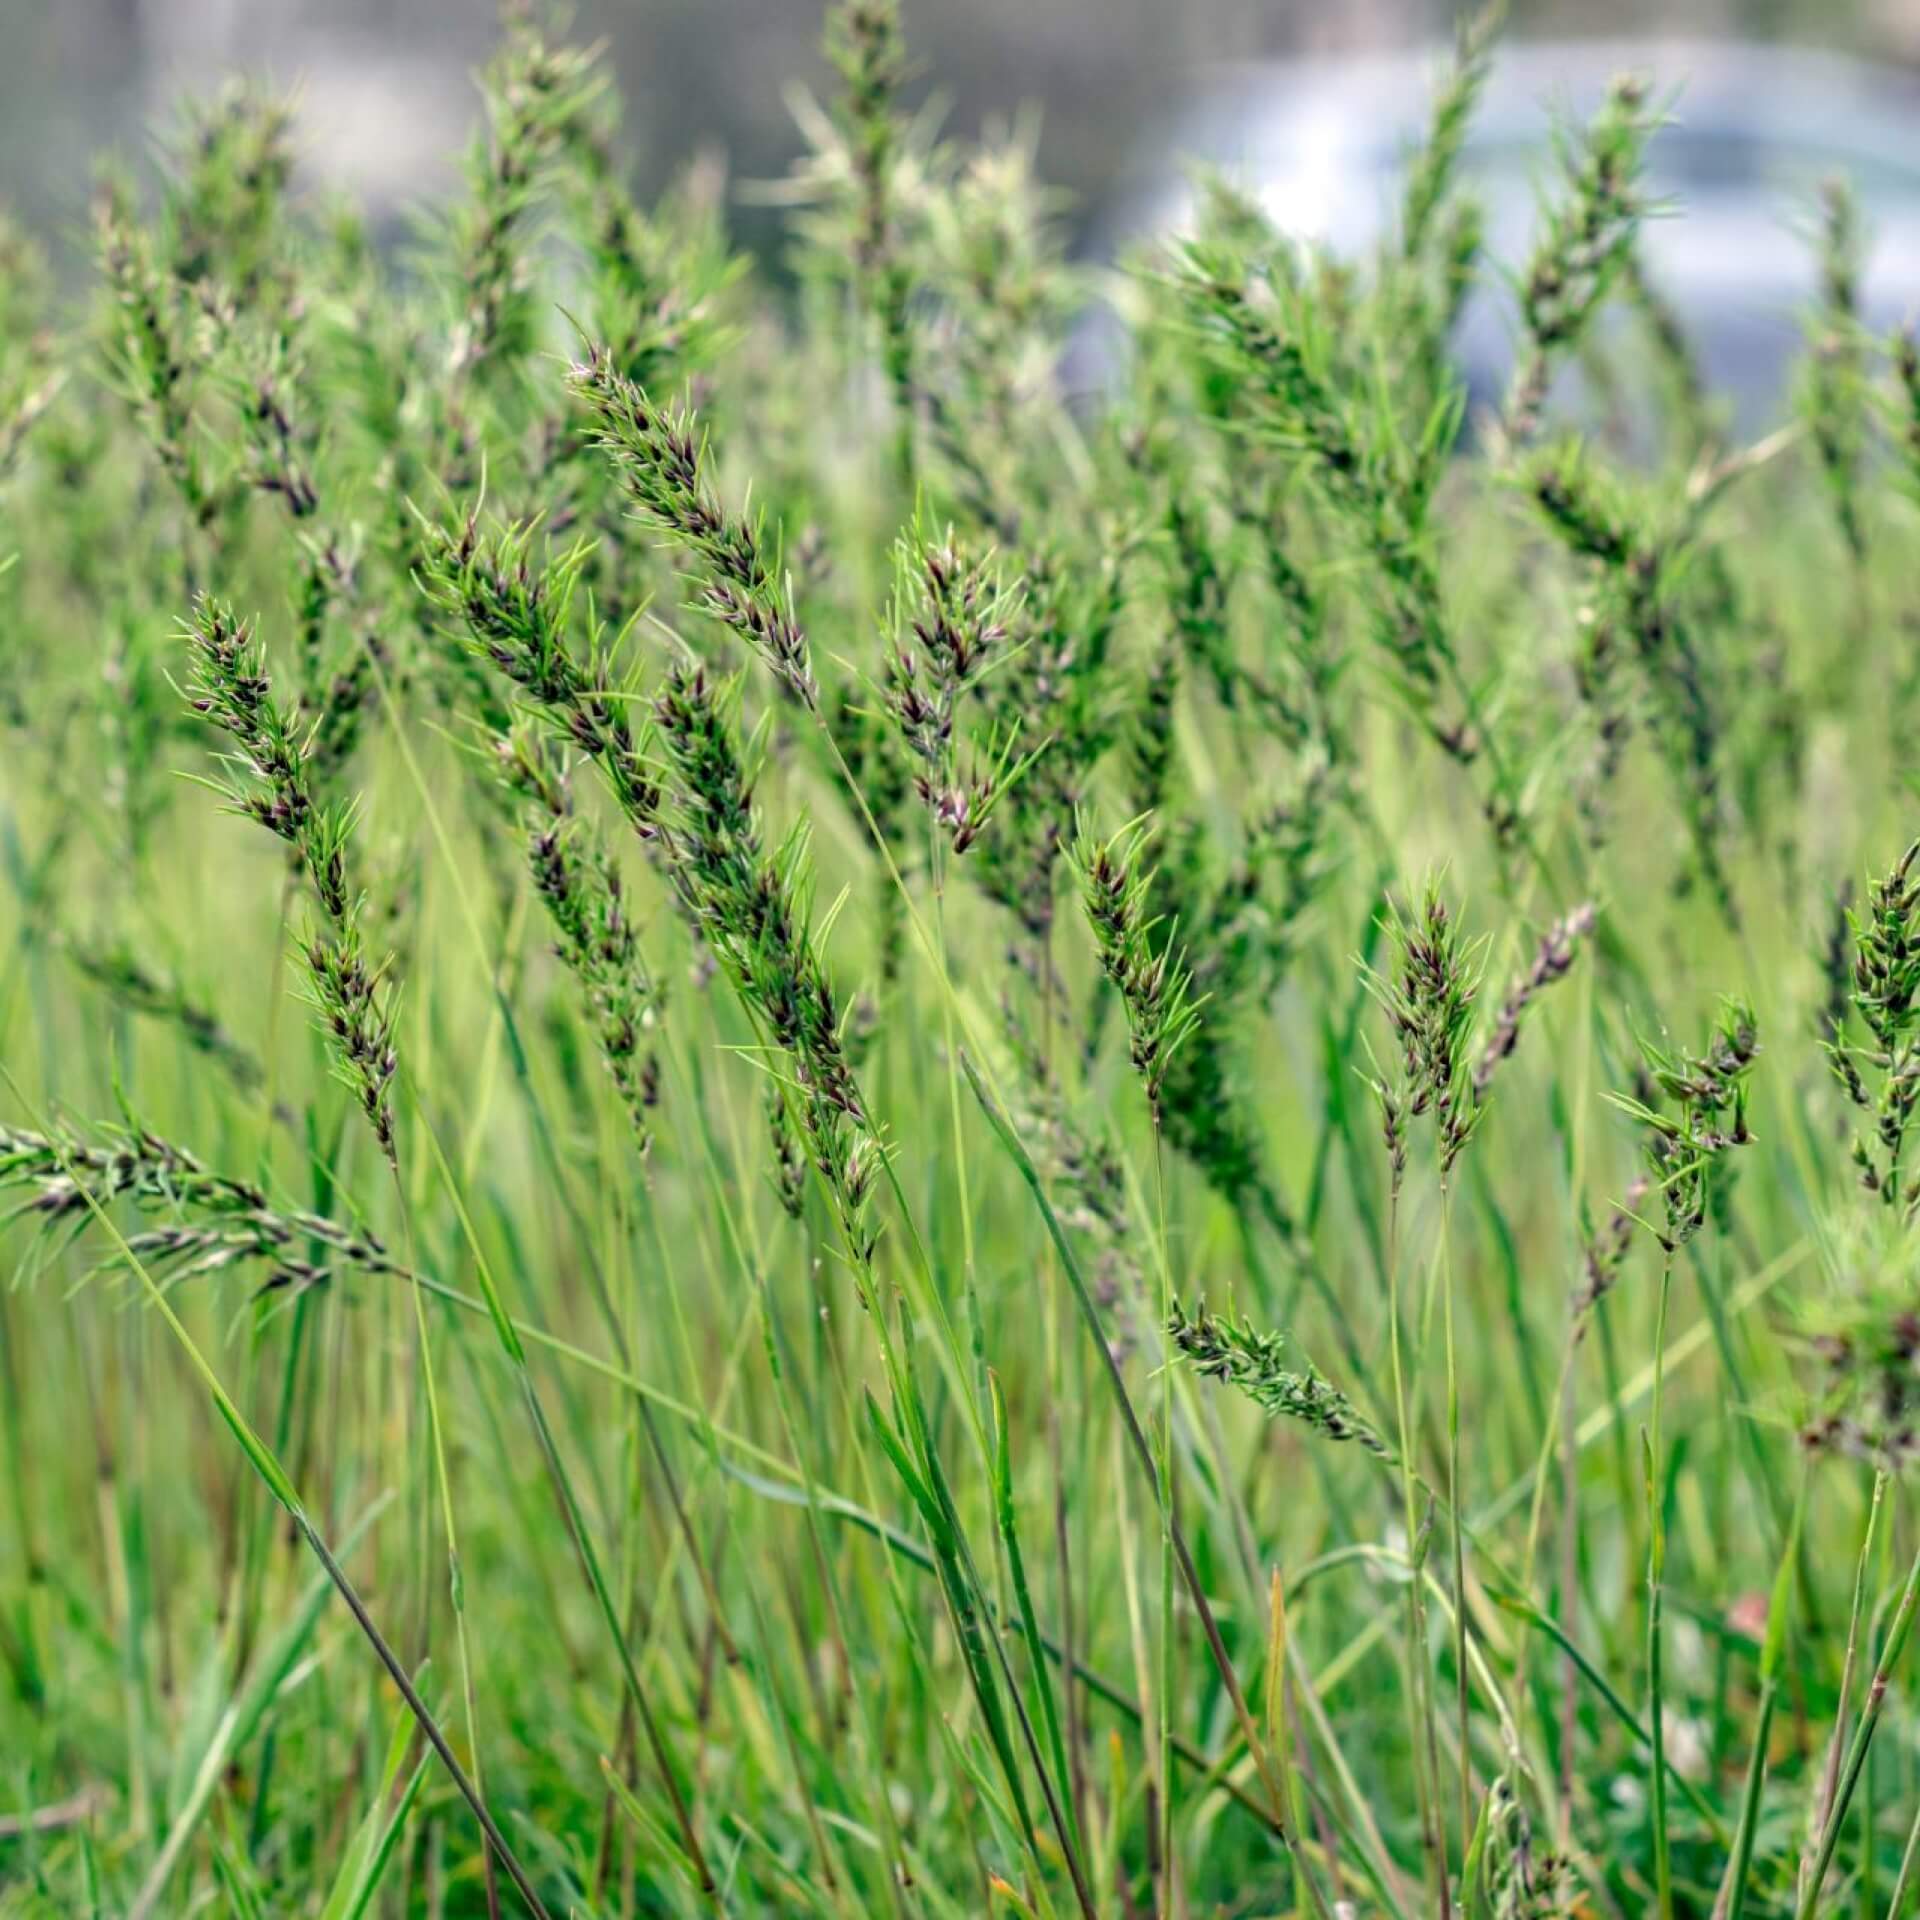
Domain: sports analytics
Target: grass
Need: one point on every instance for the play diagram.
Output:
(954, 1151)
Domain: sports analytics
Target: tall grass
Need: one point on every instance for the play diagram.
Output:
(950, 1153)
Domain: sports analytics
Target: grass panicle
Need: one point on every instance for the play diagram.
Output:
(660, 459)
(1253, 1363)
(1136, 953)
(267, 780)
(1585, 239)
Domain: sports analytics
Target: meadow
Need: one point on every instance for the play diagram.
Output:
(790, 1128)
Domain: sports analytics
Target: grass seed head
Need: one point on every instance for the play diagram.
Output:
(659, 458)
(1154, 981)
(1710, 1092)
(1429, 1001)
(1882, 1077)
(1253, 1364)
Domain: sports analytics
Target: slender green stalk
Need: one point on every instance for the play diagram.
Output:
(1772, 1649)
(1454, 1526)
(1422, 1742)
(1904, 1882)
(1163, 1437)
(1836, 1744)
(1029, 1619)
(1656, 1574)
(456, 1578)
(1898, 1630)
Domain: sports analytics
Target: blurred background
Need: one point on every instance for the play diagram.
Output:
(386, 95)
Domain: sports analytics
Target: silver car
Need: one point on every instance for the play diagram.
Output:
(1753, 131)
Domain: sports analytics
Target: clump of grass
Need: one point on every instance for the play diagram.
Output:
(1378, 483)
(1154, 986)
(227, 206)
(1442, 226)
(1906, 400)
(1429, 1001)
(1524, 1880)
(1605, 1254)
(518, 617)
(153, 354)
(30, 377)
(1866, 1409)
(538, 97)
(1432, 170)
(1710, 1092)
(895, 1631)
(1056, 692)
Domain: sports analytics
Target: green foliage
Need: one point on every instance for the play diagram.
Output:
(704, 1293)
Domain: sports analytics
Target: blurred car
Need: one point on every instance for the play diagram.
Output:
(1752, 133)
